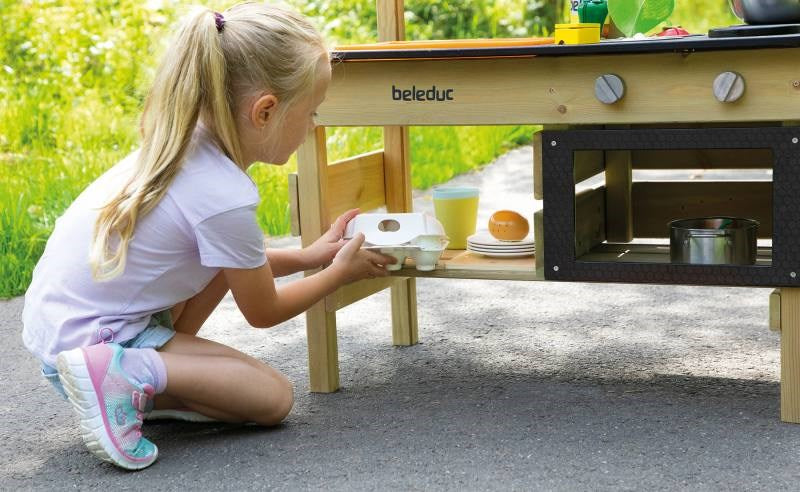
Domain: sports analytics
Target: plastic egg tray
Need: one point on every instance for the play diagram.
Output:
(405, 235)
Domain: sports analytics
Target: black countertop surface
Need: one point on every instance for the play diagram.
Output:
(687, 44)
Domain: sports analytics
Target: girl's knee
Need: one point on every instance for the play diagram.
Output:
(280, 401)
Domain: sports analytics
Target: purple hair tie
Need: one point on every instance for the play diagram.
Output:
(219, 20)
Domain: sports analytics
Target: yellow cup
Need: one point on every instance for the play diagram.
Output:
(457, 210)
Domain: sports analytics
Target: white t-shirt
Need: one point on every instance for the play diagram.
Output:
(204, 222)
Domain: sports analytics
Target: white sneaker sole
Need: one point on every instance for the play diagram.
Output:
(183, 415)
(74, 376)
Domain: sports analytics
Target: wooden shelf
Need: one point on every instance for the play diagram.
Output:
(649, 253)
(458, 263)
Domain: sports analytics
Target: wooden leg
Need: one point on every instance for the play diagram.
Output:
(775, 310)
(404, 312)
(397, 177)
(790, 354)
(397, 174)
(323, 352)
(312, 189)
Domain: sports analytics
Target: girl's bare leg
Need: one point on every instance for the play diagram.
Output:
(208, 378)
(270, 396)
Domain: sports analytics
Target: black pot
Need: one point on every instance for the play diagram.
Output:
(767, 11)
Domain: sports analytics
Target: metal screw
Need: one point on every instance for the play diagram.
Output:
(609, 88)
(793, 274)
(794, 140)
(796, 83)
(553, 143)
(728, 86)
(555, 268)
(561, 109)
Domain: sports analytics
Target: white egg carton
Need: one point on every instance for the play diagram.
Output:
(407, 235)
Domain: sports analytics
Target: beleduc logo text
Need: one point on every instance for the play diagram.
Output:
(424, 95)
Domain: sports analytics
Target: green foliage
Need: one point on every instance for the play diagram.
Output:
(439, 153)
(355, 21)
(700, 16)
(22, 242)
(73, 75)
(639, 16)
(478, 18)
(70, 79)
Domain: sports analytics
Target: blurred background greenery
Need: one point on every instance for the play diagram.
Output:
(73, 76)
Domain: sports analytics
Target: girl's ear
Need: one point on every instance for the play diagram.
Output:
(262, 110)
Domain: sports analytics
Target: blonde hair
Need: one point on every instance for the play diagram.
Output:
(204, 74)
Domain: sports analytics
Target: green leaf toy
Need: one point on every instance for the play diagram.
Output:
(632, 16)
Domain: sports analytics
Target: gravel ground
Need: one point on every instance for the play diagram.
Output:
(513, 386)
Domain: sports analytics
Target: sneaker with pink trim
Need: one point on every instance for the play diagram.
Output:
(109, 403)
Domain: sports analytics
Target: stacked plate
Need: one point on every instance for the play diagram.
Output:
(485, 244)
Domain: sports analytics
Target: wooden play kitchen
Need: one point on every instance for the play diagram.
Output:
(622, 108)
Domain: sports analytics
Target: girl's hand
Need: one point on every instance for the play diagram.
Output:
(357, 264)
(322, 251)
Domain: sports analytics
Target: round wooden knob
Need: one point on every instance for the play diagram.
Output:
(728, 87)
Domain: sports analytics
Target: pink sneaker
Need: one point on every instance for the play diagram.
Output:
(109, 404)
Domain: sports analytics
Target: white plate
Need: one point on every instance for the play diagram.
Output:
(486, 239)
(500, 248)
(501, 253)
(495, 254)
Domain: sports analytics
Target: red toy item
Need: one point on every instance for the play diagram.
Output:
(673, 31)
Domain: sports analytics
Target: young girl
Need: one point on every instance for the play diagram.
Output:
(144, 255)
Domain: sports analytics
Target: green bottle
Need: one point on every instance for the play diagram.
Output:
(593, 11)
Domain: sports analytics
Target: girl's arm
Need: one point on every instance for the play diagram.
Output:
(288, 261)
(320, 253)
(263, 305)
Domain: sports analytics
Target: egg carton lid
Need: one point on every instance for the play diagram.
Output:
(393, 229)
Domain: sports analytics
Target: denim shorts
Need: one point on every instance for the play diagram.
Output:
(156, 334)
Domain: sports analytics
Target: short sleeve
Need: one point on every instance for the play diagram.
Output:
(231, 239)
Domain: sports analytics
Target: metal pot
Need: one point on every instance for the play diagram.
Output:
(713, 241)
(767, 11)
